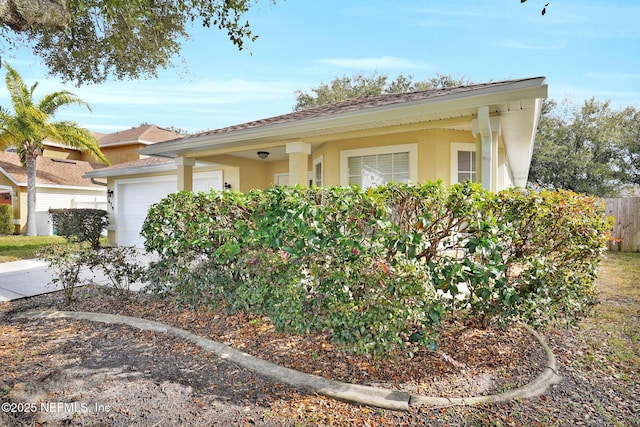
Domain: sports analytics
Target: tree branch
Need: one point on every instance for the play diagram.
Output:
(20, 15)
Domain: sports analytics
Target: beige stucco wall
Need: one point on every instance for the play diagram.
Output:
(116, 154)
(434, 158)
(434, 152)
(61, 153)
(119, 153)
(244, 174)
(21, 209)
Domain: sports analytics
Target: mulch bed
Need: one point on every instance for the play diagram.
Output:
(149, 378)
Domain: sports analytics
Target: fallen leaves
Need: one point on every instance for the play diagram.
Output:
(469, 361)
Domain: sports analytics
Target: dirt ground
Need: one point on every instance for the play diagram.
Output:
(68, 372)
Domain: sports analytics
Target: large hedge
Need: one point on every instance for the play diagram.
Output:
(377, 269)
(80, 225)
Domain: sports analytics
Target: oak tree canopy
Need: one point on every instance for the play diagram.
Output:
(85, 41)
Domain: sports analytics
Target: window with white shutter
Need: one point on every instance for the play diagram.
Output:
(463, 162)
(380, 165)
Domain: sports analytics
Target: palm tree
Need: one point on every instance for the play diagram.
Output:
(30, 124)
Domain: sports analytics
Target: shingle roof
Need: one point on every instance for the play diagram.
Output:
(50, 171)
(146, 134)
(134, 167)
(351, 105)
(141, 163)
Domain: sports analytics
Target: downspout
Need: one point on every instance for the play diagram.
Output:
(488, 129)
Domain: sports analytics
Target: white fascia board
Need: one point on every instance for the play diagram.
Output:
(72, 187)
(137, 170)
(133, 141)
(134, 170)
(529, 89)
(59, 145)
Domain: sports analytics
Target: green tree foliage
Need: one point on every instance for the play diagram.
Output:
(630, 144)
(30, 124)
(591, 149)
(88, 40)
(359, 85)
(6, 220)
(80, 225)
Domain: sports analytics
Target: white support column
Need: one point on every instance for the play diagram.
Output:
(298, 163)
(488, 129)
(185, 173)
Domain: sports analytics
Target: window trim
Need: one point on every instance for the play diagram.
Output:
(385, 149)
(317, 161)
(460, 146)
(277, 176)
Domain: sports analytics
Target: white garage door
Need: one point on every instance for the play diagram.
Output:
(135, 196)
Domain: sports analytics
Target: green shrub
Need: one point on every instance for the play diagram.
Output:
(6, 220)
(378, 269)
(119, 266)
(80, 225)
(66, 261)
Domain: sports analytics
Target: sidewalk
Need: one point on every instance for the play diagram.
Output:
(25, 278)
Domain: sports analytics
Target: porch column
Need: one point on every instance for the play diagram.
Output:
(185, 173)
(487, 129)
(298, 163)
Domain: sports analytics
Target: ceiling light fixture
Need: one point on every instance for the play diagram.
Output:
(263, 154)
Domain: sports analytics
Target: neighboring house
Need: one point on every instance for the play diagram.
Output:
(59, 184)
(60, 174)
(483, 132)
(118, 147)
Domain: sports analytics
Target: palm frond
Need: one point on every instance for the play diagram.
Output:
(28, 126)
(51, 102)
(21, 96)
(6, 139)
(79, 138)
(22, 154)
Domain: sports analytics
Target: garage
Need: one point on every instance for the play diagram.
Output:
(134, 196)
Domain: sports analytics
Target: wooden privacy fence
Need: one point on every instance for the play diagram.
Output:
(626, 226)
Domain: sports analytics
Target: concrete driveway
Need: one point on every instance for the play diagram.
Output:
(25, 278)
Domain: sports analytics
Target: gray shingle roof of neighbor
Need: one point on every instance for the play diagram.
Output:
(50, 171)
(146, 162)
(351, 105)
(144, 134)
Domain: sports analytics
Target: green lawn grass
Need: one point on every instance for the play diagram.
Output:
(618, 312)
(14, 248)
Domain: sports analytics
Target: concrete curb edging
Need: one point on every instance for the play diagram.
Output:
(366, 395)
(534, 388)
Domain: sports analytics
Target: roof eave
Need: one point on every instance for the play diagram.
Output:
(71, 187)
(521, 153)
(129, 142)
(527, 89)
(133, 170)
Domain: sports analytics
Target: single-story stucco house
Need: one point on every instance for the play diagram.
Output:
(483, 132)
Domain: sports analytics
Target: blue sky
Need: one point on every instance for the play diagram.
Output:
(585, 49)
